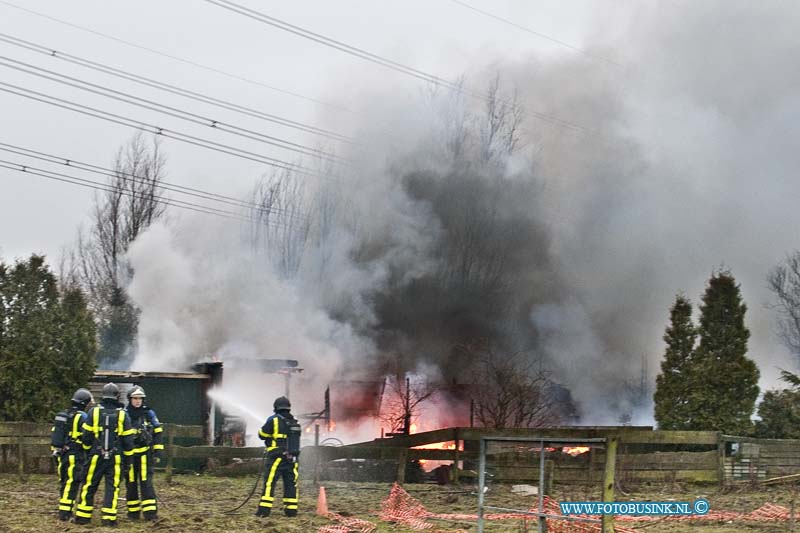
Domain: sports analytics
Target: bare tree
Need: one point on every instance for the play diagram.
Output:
(485, 135)
(499, 129)
(477, 248)
(282, 219)
(509, 392)
(402, 399)
(637, 393)
(131, 203)
(292, 215)
(784, 282)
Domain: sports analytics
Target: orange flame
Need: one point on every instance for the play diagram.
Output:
(575, 451)
(448, 445)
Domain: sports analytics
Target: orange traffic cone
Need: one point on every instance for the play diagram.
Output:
(322, 502)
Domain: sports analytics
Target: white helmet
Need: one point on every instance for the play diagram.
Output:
(136, 392)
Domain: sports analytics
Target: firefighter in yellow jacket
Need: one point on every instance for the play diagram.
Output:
(70, 451)
(281, 435)
(148, 448)
(108, 432)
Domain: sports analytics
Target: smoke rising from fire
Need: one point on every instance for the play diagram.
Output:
(569, 245)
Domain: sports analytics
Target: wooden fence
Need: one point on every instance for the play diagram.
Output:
(755, 460)
(25, 446)
(644, 455)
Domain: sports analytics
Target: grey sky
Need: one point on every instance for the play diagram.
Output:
(439, 37)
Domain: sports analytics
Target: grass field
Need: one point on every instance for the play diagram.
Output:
(198, 502)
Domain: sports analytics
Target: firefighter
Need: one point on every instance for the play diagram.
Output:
(148, 449)
(108, 432)
(281, 435)
(69, 450)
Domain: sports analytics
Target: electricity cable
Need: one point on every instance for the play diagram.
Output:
(104, 187)
(388, 63)
(539, 34)
(158, 130)
(20, 167)
(176, 58)
(156, 84)
(198, 193)
(165, 109)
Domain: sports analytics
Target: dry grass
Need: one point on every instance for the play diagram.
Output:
(198, 502)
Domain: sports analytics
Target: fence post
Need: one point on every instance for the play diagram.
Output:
(721, 459)
(317, 457)
(608, 481)
(549, 473)
(402, 459)
(456, 458)
(21, 451)
(170, 451)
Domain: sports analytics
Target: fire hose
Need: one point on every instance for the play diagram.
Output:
(252, 491)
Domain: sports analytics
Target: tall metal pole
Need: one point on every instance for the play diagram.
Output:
(481, 483)
(472, 413)
(328, 408)
(542, 522)
(407, 417)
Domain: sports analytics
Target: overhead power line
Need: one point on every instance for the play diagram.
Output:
(104, 187)
(539, 34)
(158, 130)
(66, 178)
(149, 82)
(332, 43)
(179, 59)
(165, 185)
(387, 63)
(165, 109)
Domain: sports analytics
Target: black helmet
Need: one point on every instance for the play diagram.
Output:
(282, 404)
(110, 391)
(136, 392)
(82, 397)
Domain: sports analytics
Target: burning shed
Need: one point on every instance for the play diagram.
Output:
(177, 397)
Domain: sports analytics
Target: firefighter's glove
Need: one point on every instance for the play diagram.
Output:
(158, 457)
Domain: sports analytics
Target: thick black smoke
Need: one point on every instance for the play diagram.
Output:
(489, 259)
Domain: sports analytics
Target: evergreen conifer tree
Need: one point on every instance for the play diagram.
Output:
(779, 411)
(724, 394)
(673, 385)
(47, 342)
